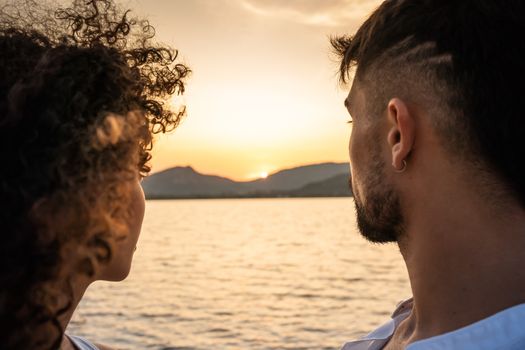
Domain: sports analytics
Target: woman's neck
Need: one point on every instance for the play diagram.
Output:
(78, 287)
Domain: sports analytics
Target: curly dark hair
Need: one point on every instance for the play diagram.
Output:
(83, 91)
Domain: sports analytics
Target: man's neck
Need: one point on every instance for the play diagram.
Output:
(464, 262)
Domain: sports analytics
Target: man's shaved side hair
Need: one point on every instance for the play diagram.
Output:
(460, 61)
(408, 70)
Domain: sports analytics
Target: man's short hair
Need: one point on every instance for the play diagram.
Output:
(463, 59)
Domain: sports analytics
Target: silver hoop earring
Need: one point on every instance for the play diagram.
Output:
(402, 169)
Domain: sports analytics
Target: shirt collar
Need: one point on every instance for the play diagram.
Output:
(378, 338)
(504, 330)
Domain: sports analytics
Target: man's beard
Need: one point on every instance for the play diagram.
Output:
(379, 220)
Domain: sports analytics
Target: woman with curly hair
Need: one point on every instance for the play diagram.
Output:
(82, 92)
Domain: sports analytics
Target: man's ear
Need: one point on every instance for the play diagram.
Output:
(401, 133)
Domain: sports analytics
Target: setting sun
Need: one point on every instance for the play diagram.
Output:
(263, 175)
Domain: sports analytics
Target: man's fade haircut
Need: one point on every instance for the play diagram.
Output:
(466, 54)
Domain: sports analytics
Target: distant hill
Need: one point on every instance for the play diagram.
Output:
(185, 182)
(295, 178)
(326, 179)
(336, 186)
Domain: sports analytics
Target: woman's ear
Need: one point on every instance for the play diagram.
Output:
(401, 133)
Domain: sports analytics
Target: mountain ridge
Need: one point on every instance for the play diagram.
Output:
(302, 181)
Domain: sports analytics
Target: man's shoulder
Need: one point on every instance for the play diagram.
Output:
(503, 330)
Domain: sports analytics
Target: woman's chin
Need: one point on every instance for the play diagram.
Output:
(114, 273)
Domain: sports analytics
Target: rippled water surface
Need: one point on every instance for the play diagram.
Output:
(246, 274)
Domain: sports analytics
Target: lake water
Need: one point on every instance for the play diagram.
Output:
(246, 274)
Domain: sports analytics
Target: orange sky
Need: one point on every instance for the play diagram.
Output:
(264, 93)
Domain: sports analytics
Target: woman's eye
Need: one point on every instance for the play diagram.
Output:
(350, 121)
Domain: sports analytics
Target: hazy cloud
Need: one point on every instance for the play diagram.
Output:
(330, 13)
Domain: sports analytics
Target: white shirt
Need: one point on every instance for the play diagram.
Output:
(502, 331)
(81, 343)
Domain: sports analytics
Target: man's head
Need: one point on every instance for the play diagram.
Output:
(433, 78)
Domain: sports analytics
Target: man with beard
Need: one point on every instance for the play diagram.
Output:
(437, 160)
